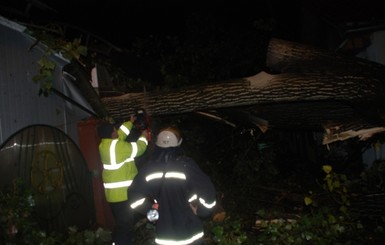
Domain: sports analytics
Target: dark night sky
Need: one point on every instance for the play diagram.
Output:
(118, 20)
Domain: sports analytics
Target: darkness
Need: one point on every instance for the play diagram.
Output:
(118, 21)
(121, 21)
(240, 154)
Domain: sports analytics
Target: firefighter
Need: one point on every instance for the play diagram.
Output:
(173, 192)
(119, 169)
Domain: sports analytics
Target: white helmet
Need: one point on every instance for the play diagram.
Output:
(168, 137)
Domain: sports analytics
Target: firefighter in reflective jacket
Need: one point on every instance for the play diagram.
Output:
(119, 169)
(181, 194)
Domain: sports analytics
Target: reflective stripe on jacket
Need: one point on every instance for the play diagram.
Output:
(119, 169)
(174, 185)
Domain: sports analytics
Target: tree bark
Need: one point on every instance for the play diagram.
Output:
(284, 57)
(308, 88)
(260, 89)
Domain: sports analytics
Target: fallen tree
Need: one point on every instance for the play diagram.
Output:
(304, 87)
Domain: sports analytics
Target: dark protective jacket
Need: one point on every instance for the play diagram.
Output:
(118, 158)
(174, 184)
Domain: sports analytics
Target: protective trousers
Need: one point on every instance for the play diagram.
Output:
(122, 233)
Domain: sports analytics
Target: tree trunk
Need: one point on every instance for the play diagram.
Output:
(83, 84)
(260, 89)
(284, 57)
(313, 88)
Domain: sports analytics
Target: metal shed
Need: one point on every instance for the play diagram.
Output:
(39, 140)
(20, 104)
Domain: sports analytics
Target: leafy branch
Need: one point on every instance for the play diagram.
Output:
(71, 50)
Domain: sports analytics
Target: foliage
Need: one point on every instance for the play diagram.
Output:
(87, 237)
(329, 222)
(45, 76)
(70, 50)
(230, 231)
(323, 222)
(16, 217)
(336, 187)
(18, 225)
(318, 227)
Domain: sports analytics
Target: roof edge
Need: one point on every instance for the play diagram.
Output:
(11, 24)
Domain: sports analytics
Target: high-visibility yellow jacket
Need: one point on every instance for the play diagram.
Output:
(118, 158)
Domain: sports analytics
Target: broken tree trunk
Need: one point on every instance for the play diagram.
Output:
(82, 82)
(260, 89)
(289, 57)
(306, 77)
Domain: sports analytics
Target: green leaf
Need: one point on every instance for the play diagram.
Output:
(308, 201)
(327, 168)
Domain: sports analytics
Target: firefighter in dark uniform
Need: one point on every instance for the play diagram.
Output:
(173, 192)
(119, 169)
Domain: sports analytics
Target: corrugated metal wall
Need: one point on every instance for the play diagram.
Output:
(29, 139)
(20, 104)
